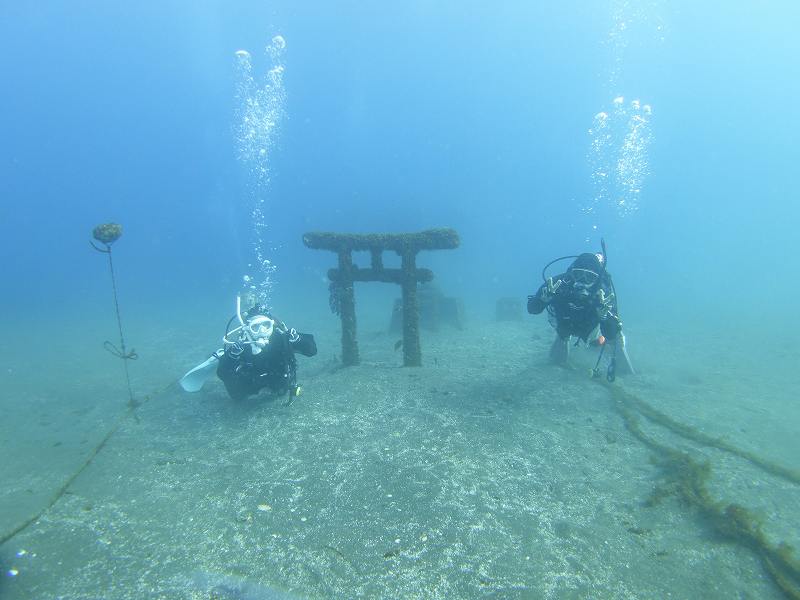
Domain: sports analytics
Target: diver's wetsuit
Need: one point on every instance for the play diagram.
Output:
(578, 312)
(275, 367)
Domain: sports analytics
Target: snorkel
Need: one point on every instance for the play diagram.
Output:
(244, 328)
(604, 253)
(239, 310)
(605, 272)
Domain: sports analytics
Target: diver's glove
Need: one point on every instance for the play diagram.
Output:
(606, 306)
(549, 290)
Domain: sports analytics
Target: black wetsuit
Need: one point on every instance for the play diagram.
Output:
(275, 367)
(576, 311)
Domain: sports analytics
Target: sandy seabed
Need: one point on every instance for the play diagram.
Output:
(486, 473)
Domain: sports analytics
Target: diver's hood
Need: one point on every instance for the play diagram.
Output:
(588, 261)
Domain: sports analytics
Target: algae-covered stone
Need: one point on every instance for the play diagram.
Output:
(107, 233)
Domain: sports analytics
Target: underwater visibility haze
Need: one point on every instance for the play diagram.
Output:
(219, 134)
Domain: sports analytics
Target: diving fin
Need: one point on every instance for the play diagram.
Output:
(624, 366)
(559, 351)
(194, 379)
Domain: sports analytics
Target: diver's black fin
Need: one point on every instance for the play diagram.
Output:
(559, 351)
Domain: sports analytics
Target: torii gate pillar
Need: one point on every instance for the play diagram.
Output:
(407, 246)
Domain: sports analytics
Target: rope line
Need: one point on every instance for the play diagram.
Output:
(123, 353)
(129, 412)
(689, 479)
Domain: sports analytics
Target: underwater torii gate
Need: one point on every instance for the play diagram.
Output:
(342, 298)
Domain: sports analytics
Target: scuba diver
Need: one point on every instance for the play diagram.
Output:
(582, 303)
(259, 353)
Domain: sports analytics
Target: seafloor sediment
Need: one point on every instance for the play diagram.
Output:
(484, 473)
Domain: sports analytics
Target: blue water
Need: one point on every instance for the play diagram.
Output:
(401, 117)
(398, 119)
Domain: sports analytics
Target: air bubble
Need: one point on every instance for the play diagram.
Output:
(619, 145)
(279, 42)
(261, 108)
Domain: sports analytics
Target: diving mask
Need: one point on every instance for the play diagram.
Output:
(260, 329)
(584, 277)
(255, 331)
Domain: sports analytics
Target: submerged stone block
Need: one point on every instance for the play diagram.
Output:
(435, 310)
(509, 309)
